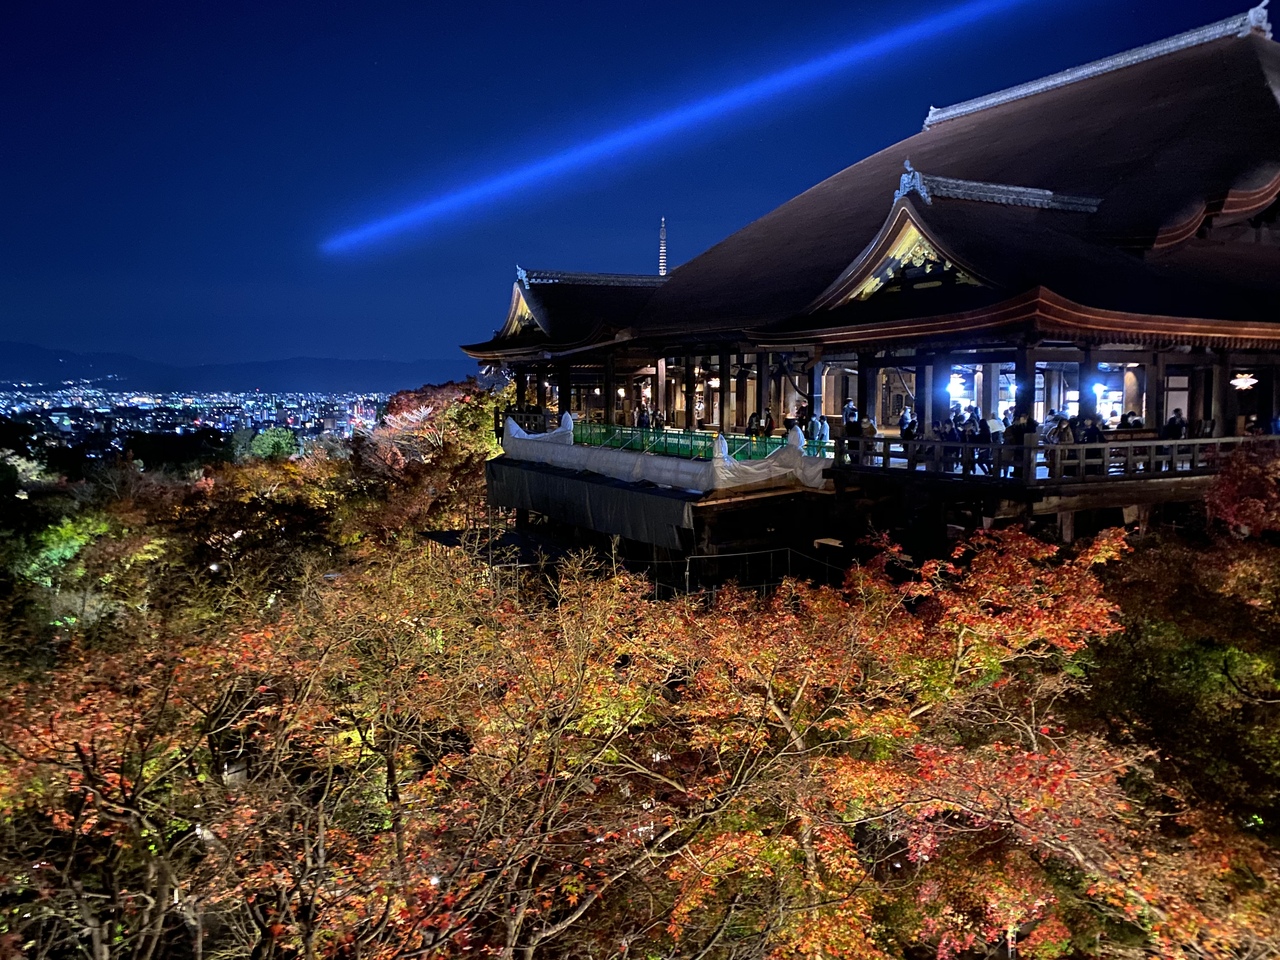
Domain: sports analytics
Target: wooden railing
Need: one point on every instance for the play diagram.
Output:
(1043, 463)
(529, 421)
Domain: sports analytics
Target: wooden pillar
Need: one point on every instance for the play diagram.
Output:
(740, 400)
(990, 399)
(725, 374)
(1132, 390)
(1156, 415)
(844, 387)
(608, 392)
(660, 390)
(816, 373)
(690, 393)
(919, 407)
(1024, 375)
(1198, 397)
(1218, 401)
(939, 395)
(522, 387)
(540, 388)
(1088, 376)
(866, 381)
(1067, 525)
(924, 396)
(564, 385)
(762, 383)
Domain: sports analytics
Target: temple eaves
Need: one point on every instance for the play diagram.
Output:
(531, 277)
(928, 187)
(1251, 21)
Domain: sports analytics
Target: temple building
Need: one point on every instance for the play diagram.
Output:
(1100, 241)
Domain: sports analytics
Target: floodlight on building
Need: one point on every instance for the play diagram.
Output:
(956, 386)
(714, 383)
(1244, 381)
(622, 391)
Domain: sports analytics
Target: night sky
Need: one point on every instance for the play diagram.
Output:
(169, 171)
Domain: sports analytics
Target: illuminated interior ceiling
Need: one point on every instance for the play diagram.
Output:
(912, 262)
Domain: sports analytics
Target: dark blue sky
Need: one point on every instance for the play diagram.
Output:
(169, 170)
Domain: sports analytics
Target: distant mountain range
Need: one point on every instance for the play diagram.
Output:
(25, 363)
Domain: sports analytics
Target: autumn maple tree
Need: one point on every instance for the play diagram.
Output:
(283, 726)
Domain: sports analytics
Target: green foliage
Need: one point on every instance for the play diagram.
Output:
(274, 443)
(57, 548)
(1194, 674)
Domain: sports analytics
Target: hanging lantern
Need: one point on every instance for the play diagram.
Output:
(1244, 381)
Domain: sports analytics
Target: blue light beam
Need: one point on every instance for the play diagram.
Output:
(422, 215)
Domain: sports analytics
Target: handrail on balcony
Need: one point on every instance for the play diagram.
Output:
(1043, 463)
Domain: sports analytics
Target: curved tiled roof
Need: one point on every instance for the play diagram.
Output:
(1148, 141)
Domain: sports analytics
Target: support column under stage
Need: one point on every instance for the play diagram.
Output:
(540, 387)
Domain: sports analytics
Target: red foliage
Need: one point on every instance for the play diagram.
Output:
(1246, 493)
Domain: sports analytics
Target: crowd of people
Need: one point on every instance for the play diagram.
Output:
(964, 424)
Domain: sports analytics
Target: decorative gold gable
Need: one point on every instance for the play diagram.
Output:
(909, 249)
(519, 316)
(902, 257)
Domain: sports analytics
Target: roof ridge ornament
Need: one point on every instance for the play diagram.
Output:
(912, 181)
(1241, 25)
(1258, 21)
(522, 276)
(929, 187)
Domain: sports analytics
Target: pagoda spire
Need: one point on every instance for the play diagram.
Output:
(662, 248)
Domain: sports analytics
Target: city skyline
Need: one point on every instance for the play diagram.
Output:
(177, 171)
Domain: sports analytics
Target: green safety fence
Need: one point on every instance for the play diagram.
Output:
(687, 445)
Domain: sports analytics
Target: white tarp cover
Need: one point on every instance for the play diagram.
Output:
(556, 448)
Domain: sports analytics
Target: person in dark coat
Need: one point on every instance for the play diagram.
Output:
(1176, 428)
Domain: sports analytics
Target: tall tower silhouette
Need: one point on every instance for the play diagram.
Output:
(662, 248)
